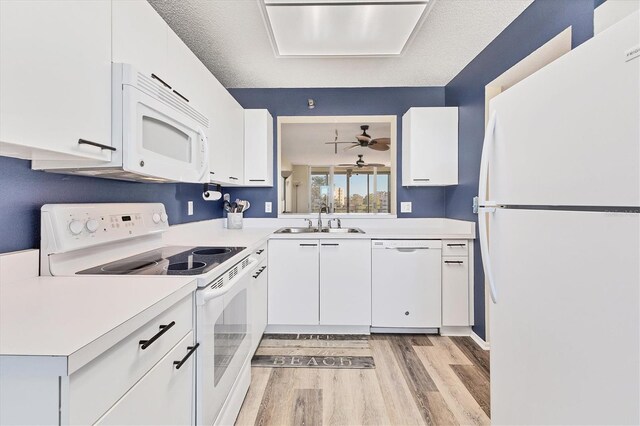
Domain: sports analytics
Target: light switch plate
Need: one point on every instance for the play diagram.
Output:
(189, 208)
(267, 206)
(405, 207)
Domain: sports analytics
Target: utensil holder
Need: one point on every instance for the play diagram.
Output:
(234, 220)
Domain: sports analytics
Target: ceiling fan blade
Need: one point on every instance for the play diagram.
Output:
(380, 140)
(374, 165)
(345, 165)
(355, 145)
(363, 138)
(331, 143)
(380, 147)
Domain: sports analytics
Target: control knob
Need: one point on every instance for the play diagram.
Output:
(92, 225)
(76, 227)
(164, 217)
(156, 218)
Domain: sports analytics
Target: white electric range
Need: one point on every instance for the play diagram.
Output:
(126, 239)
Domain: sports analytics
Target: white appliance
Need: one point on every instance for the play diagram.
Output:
(560, 237)
(406, 285)
(126, 239)
(157, 136)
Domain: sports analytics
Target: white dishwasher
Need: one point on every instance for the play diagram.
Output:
(406, 285)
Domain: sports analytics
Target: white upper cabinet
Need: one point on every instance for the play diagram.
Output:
(430, 146)
(140, 38)
(55, 79)
(226, 139)
(258, 147)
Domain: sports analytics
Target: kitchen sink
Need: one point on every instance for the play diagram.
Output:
(296, 230)
(343, 230)
(313, 230)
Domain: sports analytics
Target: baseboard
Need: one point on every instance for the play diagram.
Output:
(484, 345)
(455, 331)
(317, 329)
(404, 330)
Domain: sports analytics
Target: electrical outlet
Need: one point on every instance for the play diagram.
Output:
(267, 207)
(189, 208)
(405, 207)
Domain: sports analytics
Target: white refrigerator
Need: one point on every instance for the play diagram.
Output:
(559, 223)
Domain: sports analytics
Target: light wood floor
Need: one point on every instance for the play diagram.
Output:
(418, 380)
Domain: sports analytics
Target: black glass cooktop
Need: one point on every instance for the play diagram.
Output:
(171, 260)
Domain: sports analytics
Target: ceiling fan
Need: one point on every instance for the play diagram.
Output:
(364, 141)
(360, 163)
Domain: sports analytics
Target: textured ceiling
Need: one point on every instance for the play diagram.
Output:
(231, 39)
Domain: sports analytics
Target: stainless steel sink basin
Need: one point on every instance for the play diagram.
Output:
(313, 230)
(343, 230)
(296, 230)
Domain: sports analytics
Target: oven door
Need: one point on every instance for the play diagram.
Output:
(224, 335)
(160, 141)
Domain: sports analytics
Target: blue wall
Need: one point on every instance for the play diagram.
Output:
(23, 191)
(427, 202)
(539, 23)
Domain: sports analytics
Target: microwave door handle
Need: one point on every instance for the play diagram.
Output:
(204, 173)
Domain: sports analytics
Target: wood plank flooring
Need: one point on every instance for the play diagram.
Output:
(417, 380)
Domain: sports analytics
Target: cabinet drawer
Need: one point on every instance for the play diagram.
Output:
(164, 396)
(98, 385)
(455, 291)
(455, 247)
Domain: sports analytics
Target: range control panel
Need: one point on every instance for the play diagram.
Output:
(67, 227)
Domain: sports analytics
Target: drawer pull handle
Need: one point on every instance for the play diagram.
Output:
(155, 77)
(191, 349)
(233, 178)
(457, 262)
(259, 251)
(308, 245)
(163, 329)
(257, 274)
(257, 180)
(96, 144)
(330, 245)
(457, 245)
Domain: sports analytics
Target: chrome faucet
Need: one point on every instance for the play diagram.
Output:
(336, 219)
(324, 207)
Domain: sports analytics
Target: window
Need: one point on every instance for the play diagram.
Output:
(362, 191)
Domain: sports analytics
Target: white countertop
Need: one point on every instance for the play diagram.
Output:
(65, 322)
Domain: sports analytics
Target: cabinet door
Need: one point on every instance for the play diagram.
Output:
(455, 291)
(406, 287)
(293, 282)
(186, 73)
(430, 146)
(164, 396)
(345, 282)
(55, 79)
(236, 140)
(226, 136)
(259, 304)
(140, 38)
(258, 147)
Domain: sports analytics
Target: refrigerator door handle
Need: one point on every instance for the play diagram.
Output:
(487, 150)
(486, 206)
(484, 251)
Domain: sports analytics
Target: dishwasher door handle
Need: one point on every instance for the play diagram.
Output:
(406, 249)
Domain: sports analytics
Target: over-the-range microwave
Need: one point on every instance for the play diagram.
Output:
(156, 135)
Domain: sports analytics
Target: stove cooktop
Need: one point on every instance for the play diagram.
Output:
(170, 260)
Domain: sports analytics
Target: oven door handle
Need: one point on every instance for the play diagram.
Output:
(204, 296)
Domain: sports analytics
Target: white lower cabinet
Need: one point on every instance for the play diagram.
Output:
(164, 396)
(326, 282)
(345, 282)
(259, 299)
(455, 291)
(294, 279)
